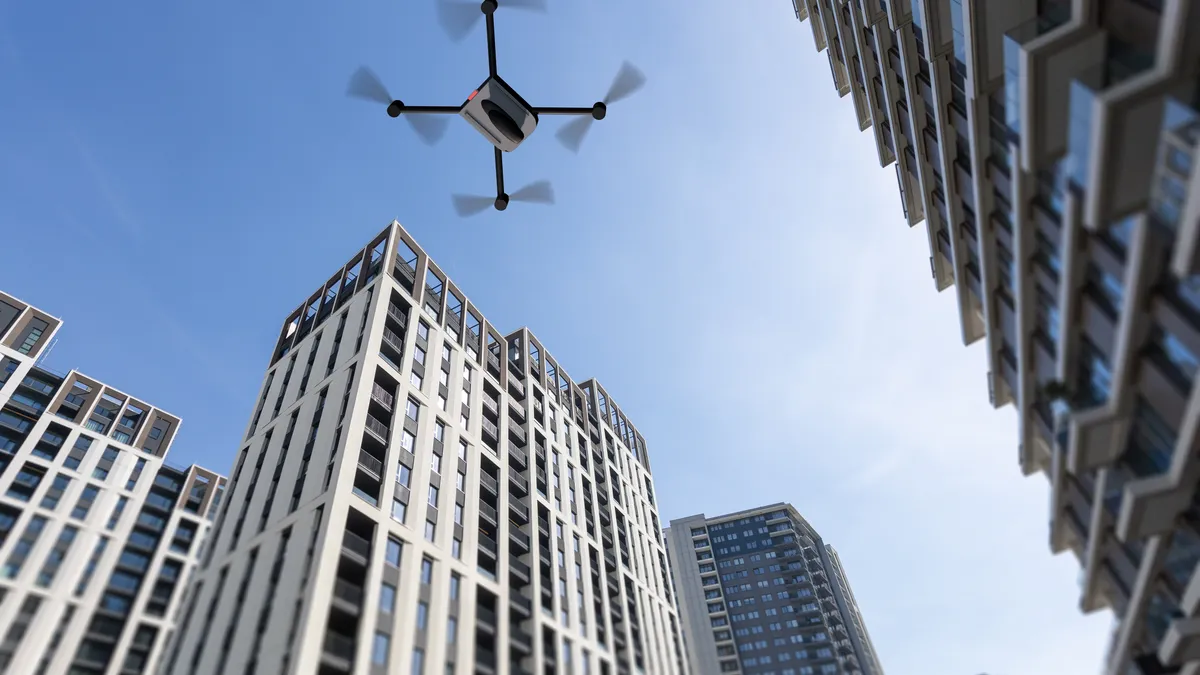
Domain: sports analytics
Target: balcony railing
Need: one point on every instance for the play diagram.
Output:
(489, 513)
(488, 544)
(392, 340)
(347, 592)
(515, 452)
(520, 537)
(519, 482)
(490, 405)
(381, 395)
(370, 464)
(377, 428)
(398, 315)
(339, 646)
(519, 568)
(489, 483)
(352, 543)
(490, 428)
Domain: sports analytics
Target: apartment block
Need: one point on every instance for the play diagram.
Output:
(418, 492)
(98, 534)
(761, 594)
(1049, 148)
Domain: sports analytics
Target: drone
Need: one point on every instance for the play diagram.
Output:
(494, 108)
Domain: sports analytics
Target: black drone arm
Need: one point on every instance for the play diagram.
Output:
(491, 36)
(430, 109)
(563, 111)
(499, 173)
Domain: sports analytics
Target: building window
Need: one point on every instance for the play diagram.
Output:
(393, 551)
(379, 650)
(387, 598)
(399, 510)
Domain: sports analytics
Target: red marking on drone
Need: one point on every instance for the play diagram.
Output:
(473, 94)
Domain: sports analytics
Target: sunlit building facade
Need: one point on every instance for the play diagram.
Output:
(1047, 147)
(761, 594)
(98, 534)
(420, 493)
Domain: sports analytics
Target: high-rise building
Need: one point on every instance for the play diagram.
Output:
(760, 593)
(1049, 147)
(418, 492)
(97, 533)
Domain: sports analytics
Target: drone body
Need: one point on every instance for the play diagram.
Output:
(499, 113)
(494, 108)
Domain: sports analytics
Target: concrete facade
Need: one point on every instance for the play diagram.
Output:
(98, 535)
(1048, 146)
(760, 593)
(418, 492)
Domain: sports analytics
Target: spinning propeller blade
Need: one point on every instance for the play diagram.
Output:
(365, 84)
(430, 128)
(628, 80)
(539, 192)
(535, 193)
(469, 205)
(458, 17)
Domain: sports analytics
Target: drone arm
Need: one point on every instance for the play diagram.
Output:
(499, 172)
(491, 38)
(431, 109)
(563, 111)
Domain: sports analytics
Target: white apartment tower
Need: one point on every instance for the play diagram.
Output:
(419, 493)
(97, 533)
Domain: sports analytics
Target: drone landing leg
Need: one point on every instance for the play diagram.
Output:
(499, 172)
(501, 197)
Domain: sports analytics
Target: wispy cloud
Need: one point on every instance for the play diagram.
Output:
(119, 208)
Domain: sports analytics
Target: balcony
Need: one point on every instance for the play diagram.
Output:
(488, 513)
(520, 459)
(347, 596)
(370, 465)
(493, 362)
(485, 618)
(522, 540)
(521, 604)
(516, 388)
(377, 429)
(395, 342)
(489, 428)
(489, 405)
(382, 397)
(1109, 156)
(521, 640)
(515, 409)
(517, 433)
(519, 483)
(519, 570)
(398, 315)
(518, 511)
(356, 547)
(489, 483)
(487, 545)
(339, 651)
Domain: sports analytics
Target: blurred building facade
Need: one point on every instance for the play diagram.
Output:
(1046, 149)
(98, 534)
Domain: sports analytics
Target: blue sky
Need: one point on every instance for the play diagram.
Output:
(726, 256)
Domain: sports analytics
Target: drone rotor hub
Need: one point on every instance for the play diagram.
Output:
(502, 202)
(488, 6)
(395, 108)
(599, 110)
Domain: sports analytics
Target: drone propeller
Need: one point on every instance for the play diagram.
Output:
(535, 193)
(628, 80)
(365, 84)
(458, 17)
